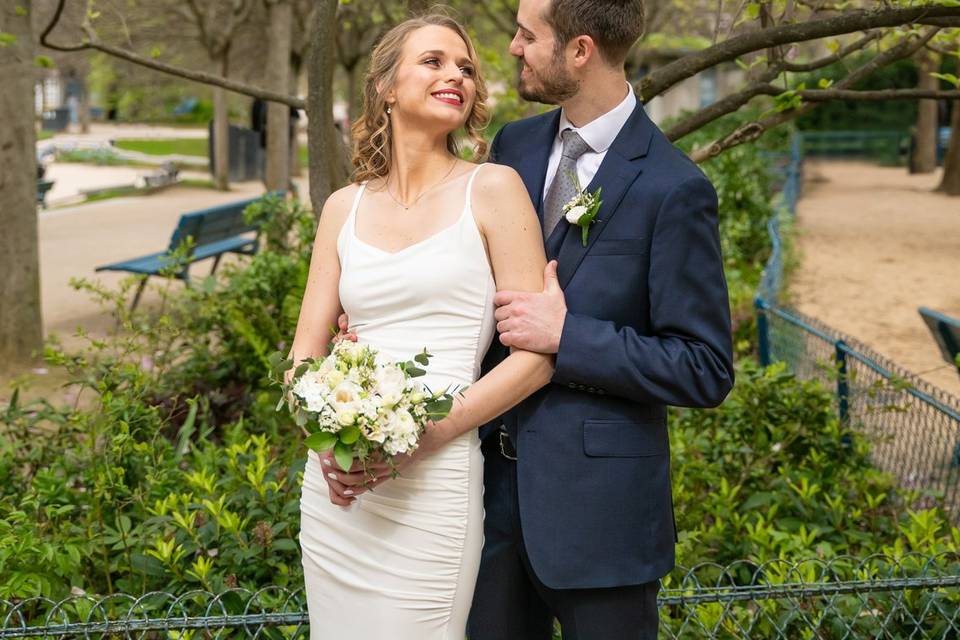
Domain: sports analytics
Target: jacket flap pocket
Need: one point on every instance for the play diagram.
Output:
(617, 246)
(624, 439)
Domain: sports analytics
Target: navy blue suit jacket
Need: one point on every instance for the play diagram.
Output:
(648, 325)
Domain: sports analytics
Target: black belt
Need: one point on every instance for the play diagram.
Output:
(507, 450)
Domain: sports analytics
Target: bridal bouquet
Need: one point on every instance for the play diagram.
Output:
(360, 406)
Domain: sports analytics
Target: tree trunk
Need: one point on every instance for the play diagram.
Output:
(925, 149)
(295, 170)
(84, 106)
(950, 183)
(278, 115)
(353, 91)
(328, 159)
(21, 325)
(221, 133)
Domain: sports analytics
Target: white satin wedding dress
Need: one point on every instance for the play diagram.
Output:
(401, 562)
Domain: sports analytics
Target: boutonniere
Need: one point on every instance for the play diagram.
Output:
(582, 209)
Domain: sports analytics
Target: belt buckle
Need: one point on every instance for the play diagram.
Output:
(503, 446)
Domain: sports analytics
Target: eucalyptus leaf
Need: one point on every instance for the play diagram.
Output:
(344, 455)
(349, 435)
(321, 441)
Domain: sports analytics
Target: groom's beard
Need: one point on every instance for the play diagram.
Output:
(552, 85)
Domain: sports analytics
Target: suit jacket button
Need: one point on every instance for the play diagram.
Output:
(572, 385)
(592, 390)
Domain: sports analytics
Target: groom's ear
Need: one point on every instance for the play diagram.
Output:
(584, 50)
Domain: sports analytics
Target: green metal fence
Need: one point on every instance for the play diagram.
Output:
(913, 426)
(876, 597)
(886, 147)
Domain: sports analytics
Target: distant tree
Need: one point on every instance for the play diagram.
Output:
(217, 22)
(21, 325)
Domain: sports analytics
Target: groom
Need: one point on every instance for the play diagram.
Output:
(579, 517)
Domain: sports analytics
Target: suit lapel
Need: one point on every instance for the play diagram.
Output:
(620, 168)
(533, 168)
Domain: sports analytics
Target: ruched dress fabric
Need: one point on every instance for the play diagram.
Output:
(402, 561)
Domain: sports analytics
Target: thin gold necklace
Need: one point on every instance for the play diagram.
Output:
(406, 207)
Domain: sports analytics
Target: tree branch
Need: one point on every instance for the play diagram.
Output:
(665, 77)
(836, 57)
(824, 95)
(734, 101)
(753, 130)
(188, 74)
(721, 107)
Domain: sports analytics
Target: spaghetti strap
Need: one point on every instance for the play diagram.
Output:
(473, 175)
(351, 217)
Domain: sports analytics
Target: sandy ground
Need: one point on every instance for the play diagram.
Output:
(874, 244)
(75, 240)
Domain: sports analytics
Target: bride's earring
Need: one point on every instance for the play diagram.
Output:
(389, 109)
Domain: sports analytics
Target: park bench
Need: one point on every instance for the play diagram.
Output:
(946, 331)
(208, 233)
(43, 186)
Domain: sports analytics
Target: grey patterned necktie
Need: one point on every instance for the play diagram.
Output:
(563, 187)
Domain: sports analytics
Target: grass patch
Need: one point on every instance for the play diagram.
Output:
(43, 134)
(178, 146)
(99, 157)
(304, 156)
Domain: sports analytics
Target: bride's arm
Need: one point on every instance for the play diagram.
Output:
(321, 298)
(514, 241)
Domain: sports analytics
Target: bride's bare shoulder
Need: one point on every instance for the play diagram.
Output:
(499, 190)
(338, 204)
(493, 177)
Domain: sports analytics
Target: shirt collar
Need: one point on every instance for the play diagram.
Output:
(600, 132)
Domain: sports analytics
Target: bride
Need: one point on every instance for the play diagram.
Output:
(413, 252)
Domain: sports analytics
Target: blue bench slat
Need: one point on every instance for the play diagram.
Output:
(214, 231)
(236, 244)
(151, 264)
(945, 330)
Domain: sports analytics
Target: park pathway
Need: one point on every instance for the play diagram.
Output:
(875, 243)
(75, 240)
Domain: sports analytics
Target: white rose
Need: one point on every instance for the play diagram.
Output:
(573, 216)
(345, 400)
(417, 392)
(390, 384)
(403, 432)
(334, 377)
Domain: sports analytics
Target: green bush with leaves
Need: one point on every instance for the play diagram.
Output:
(772, 473)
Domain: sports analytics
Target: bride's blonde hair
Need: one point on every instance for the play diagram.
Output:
(372, 133)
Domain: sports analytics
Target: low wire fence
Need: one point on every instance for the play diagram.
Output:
(913, 427)
(910, 596)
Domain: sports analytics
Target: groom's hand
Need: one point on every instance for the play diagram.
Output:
(533, 321)
(343, 327)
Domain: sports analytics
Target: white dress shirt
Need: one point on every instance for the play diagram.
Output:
(599, 134)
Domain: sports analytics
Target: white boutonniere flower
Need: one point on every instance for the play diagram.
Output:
(582, 209)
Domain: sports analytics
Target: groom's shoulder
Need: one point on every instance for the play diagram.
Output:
(673, 166)
(517, 129)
